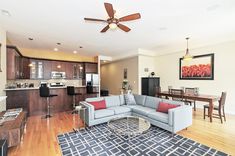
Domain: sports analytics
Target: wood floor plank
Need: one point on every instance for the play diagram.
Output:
(40, 135)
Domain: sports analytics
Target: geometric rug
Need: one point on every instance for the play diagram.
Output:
(100, 141)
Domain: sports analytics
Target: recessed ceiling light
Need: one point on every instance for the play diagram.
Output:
(5, 13)
(30, 38)
(80, 47)
(56, 49)
(75, 52)
(58, 43)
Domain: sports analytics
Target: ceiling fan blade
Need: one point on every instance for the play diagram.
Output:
(105, 29)
(130, 17)
(109, 9)
(93, 19)
(123, 27)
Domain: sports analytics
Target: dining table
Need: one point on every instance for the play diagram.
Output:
(200, 97)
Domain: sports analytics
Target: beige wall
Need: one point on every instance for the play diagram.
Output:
(224, 73)
(145, 62)
(55, 55)
(112, 75)
(3, 65)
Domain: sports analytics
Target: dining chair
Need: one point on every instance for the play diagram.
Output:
(219, 108)
(190, 91)
(179, 93)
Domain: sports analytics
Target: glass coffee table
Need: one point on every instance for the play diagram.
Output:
(130, 126)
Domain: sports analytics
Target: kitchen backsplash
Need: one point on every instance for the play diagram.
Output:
(76, 83)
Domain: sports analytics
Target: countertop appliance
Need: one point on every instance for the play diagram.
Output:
(58, 75)
(57, 84)
(92, 80)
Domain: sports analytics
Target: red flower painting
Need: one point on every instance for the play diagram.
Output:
(201, 67)
(200, 70)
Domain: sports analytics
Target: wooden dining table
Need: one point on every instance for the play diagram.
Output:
(201, 97)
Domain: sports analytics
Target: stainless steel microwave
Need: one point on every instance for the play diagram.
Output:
(58, 75)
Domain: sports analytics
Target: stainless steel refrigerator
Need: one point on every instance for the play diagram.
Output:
(92, 80)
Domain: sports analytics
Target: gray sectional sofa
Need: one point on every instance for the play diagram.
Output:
(177, 118)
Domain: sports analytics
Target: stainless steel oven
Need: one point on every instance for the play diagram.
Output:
(58, 75)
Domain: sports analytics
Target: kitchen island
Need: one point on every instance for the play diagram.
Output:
(29, 99)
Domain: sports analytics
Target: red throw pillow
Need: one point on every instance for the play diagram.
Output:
(164, 107)
(99, 104)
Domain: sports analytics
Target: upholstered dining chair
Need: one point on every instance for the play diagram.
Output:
(219, 108)
(190, 91)
(179, 93)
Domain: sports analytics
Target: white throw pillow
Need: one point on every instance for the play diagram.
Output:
(129, 99)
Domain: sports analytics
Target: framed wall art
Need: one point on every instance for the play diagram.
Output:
(201, 67)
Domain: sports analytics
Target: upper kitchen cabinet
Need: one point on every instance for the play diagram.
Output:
(58, 66)
(36, 69)
(24, 68)
(11, 64)
(69, 67)
(17, 66)
(47, 69)
(91, 67)
(74, 70)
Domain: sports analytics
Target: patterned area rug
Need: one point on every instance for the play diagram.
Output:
(99, 140)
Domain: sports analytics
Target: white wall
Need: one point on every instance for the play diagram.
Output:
(3, 65)
(224, 72)
(112, 75)
(145, 62)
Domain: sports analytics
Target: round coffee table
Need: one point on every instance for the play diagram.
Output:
(130, 126)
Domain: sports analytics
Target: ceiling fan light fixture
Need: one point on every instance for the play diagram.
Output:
(112, 25)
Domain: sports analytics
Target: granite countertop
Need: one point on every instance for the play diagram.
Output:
(33, 88)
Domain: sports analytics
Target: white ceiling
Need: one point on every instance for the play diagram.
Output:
(163, 26)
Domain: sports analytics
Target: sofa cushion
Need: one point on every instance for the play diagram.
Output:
(162, 117)
(112, 101)
(173, 102)
(120, 109)
(103, 113)
(98, 104)
(94, 99)
(140, 99)
(164, 107)
(142, 110)
(130, 99)
(122, 100)
(152, 102)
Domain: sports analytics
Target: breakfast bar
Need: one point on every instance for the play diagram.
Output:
(30, 100)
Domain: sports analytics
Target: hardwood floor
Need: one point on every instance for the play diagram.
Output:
(40, 136)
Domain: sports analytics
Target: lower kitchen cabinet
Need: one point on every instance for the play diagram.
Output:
(31, 101)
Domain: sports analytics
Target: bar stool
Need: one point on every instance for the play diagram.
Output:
(71, 92)
(45, 92)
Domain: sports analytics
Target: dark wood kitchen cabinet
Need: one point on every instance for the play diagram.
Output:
(31, 101)
(11, 64)
(58, 66)
(36, 69)
(47, 69)
(24, 68)
(91, 67)
(17, 66)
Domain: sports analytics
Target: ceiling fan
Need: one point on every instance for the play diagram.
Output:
(114, 22)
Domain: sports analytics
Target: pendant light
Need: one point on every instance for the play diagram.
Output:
(187, 56)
